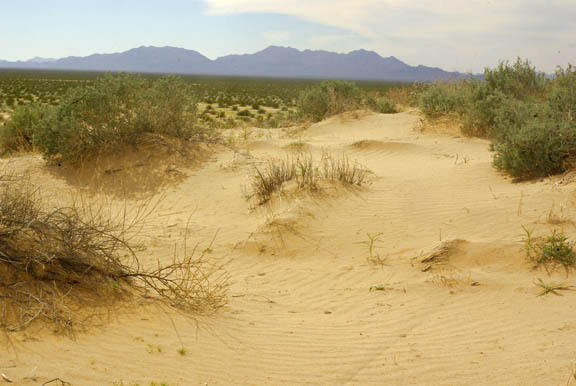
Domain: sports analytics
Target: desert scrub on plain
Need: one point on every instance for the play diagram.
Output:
(305, 172)
(529, 117)
(56, 262)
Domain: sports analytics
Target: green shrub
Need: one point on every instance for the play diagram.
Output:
(562, 95)
(537, 147)
(441, 98)
(519, 80)
(479, 108)
(329, 98)
(17, 133)
(381, 105)
(115, 109)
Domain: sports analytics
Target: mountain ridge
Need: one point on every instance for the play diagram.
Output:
(273, 61)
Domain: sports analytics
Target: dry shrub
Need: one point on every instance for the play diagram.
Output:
(307, 174)
(55, 264)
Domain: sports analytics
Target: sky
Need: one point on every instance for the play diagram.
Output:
(457, 35)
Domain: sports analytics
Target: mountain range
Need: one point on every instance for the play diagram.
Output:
(274, 61)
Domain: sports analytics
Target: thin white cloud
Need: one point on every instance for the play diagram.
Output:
(276, 37)
(464, 35)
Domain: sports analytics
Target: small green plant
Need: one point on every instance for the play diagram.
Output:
(553, 288)
(371, 243)
(379, 287)
(554, 249)
(153, 348)
(182, 351)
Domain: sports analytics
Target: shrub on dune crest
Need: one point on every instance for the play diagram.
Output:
(329, 98)
(18, 132)
(117, 108)
(381, 105)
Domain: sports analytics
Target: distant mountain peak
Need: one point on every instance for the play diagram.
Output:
(38, 59)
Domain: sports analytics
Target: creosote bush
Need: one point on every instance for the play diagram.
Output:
(305, 172)
(114, 109)
(55, 262)
(381, 105)
(529, 118)
(18, 132)
(329, 98)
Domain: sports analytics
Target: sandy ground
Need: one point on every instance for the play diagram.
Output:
(301, 310)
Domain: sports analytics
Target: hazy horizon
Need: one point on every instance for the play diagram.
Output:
(453, 36)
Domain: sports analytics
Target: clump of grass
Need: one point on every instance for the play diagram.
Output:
(270, 179)
(552, 250)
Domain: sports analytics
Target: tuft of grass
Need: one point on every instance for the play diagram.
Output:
(302, 169)
(182, 351)
(552, 250)
(553, 288)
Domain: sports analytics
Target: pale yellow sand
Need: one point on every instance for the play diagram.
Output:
(300, 309)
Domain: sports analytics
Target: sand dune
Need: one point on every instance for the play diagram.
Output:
(306, 305)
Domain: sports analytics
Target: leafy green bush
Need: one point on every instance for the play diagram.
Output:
(536, 147)
(329, 98)
(17, 133)
(519, 80)
(441, 98)
(562, 95)
(169, 107)
(381, 105)
(115, 109)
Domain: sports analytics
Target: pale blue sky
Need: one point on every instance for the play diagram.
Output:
(455, 35)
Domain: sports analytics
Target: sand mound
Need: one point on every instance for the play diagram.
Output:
(382, 146)
(125, 170)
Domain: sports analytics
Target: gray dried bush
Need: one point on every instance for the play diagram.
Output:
(55, 263)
